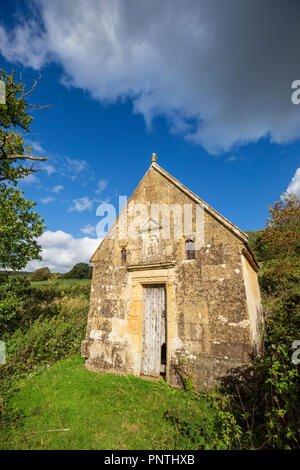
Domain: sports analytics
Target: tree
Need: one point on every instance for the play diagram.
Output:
(42, 274)
(15, 115)
(282, 233)
(13, 291)
(19, 224)
(19, 228)
(256, 242)
(280, 242)
(79, 271)
(279, 281)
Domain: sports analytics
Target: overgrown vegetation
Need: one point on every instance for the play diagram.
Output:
(276, 404)
(44, 325)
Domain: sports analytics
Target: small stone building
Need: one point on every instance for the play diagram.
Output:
(172, 305)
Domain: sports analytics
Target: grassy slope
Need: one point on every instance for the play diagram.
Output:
(103, 411)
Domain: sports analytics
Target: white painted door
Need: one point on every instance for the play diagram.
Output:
(154, 328)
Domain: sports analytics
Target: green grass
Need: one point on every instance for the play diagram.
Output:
(102, 411)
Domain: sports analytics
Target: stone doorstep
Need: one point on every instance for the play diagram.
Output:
(150, 378)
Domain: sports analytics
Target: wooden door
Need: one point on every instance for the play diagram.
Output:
(154, 328)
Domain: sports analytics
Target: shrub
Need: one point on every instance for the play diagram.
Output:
(213, 427)
(50, 327)
(12, 295)
(42, 274)
(79, 271)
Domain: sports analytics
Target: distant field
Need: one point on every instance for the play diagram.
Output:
(62, 283)
(58, 283)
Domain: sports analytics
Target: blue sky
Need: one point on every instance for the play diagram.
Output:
(119, 97)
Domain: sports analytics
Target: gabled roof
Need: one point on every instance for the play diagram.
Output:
(239, 233)
(225, 222)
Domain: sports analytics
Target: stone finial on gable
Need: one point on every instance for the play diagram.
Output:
(154, 158)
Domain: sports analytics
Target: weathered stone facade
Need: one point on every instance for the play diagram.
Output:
(213, 310)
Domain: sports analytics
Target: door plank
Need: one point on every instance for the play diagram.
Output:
(154, 331)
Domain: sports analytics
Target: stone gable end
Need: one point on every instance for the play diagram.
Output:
(211, 311)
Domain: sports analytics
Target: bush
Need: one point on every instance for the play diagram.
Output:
(50, 326)
(12, 294)
(278, 376)
(79, 271)
(42, 274)
(213, 427)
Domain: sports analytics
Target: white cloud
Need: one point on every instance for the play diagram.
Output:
(101, 185)
(82, 204)
(74, 167)
(36, 146)
(237, 158)
(57, 188)
(88, 229)
(26, 44)
(60, 251)
(218, 80)
(68, 167)
(50, 169)
(294, 186)
(29, 179)
(39, 151)
(48, 199)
